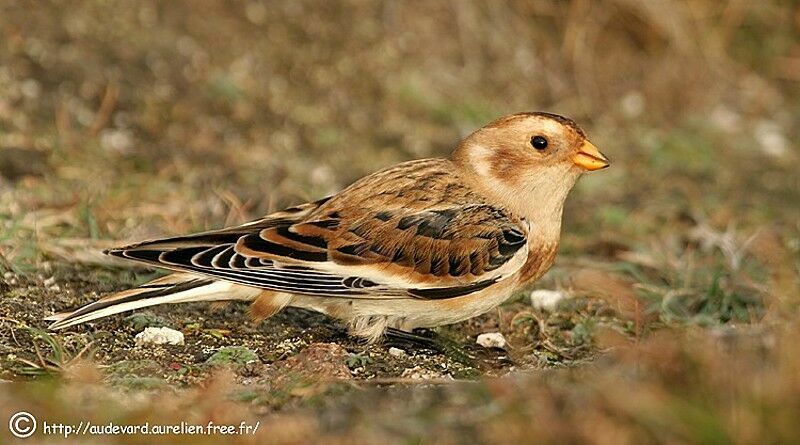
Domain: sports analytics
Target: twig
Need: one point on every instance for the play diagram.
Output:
(64, 125)
(103, 115)
(237, 210)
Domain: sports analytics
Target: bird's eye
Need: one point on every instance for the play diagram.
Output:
(539, 142)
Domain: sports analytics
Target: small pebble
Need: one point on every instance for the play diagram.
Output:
(546, 300)
(159, 336)
(492, 340)
(396, 352)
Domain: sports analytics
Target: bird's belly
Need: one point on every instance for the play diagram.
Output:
(411, 313)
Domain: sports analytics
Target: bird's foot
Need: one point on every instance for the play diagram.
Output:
(418, 338)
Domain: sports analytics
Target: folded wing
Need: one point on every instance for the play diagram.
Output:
(400, 253)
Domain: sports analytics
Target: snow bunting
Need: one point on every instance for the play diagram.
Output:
(420, 244)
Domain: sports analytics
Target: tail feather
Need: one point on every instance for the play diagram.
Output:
(175, 288)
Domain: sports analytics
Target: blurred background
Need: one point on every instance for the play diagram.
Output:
(128, 120)
(192, 108)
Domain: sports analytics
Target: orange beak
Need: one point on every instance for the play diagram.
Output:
(589, 158)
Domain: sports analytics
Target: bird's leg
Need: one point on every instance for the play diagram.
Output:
(425, 332)
(418, 338)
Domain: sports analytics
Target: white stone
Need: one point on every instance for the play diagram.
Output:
(546, 300)
(396, 352)
(492, 340)
(159, 336)
(772, 139)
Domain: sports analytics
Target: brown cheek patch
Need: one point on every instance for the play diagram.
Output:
(510, 165)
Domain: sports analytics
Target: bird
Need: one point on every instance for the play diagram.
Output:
(421, 244)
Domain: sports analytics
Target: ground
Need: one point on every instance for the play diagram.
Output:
(679, 266)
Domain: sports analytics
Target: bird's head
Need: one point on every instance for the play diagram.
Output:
(529, 161)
